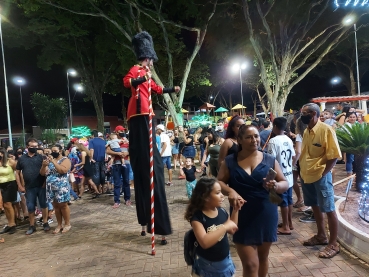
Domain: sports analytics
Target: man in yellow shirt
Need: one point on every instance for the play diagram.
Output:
(320, 151)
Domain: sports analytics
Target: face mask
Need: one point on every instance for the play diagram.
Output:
(32, 150)
(19, 153)
(306, 118)
(54, 155)
(122, 135)
(1, 157)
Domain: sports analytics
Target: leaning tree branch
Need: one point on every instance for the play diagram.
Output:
(318, 60)
(100, 14)
(272, 42)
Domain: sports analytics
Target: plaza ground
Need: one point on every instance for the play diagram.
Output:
(106, 242)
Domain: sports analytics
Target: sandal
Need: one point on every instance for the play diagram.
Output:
(280, 225)
(315, 241)
(329, 252)
(66, 228)
(57, 230)
(299, 204)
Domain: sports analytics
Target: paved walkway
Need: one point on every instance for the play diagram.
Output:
(107, 242)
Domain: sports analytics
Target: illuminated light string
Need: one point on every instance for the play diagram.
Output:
(364, 198)
(200, 120)
(80, 132)
(353, 2)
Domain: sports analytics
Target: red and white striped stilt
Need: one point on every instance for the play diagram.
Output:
(153, 252)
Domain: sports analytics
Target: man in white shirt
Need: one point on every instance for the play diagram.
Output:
(281, 147)
(166, 150)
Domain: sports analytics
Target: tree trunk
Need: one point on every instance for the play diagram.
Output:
(124, 112)
(361, 164)
(255, 108)
(277, 106)
(98, 104)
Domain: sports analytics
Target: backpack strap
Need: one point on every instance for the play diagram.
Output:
(269, 160)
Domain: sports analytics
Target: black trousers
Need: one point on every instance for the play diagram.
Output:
(139, 151)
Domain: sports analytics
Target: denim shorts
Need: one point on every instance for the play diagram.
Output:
(205, 268)
(32, 194)
(167, 161)
(320, 193)
(286, 198)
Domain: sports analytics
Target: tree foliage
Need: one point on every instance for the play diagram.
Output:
(290, 38)
(50, 113)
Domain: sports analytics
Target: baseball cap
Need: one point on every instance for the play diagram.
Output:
(99, 134)
(73, 140)
(160, 127)
(119, 128)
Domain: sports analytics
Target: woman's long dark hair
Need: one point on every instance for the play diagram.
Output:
(346, 110)
(214, 134)
(197, 202)
(5, 156)
(230, 133)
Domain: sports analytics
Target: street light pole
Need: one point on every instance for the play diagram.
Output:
(23, 133)
(241, 91)
(72, 72)
(357, 66)
(6, 87)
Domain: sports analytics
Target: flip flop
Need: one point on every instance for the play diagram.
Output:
(280, 226)
(283, 233)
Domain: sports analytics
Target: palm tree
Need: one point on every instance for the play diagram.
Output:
(355, 139)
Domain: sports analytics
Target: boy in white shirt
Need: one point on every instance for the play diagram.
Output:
(165, 151)
(281, 147)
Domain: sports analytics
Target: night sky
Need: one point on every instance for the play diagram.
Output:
(23, 63)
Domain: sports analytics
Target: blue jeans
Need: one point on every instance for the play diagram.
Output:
(203, 267)
(349, 161)
(117, 171)
(99, 173)
(32, 194)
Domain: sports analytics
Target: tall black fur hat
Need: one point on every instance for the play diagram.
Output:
(143, 46)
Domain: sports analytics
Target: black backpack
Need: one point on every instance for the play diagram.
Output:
(190, 244)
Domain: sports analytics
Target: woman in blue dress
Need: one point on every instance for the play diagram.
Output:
(56, 169)
(245, 174)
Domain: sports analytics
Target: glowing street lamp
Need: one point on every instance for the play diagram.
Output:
(19, 81)
(239, 67)
(348, 21)
(72, 73)
(6, 86)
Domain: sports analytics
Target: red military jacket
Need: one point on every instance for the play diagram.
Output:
(139, 101)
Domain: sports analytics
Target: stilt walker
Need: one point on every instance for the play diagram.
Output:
(145, 158)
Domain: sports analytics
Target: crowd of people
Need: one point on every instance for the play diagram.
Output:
(232, 158)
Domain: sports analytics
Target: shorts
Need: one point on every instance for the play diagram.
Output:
(189, 152)
(175, 149)
(203, 267)
(286, 198)
(167, 161)
(116, 150)
(32, 194)
(320, 193)
(9, 191)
